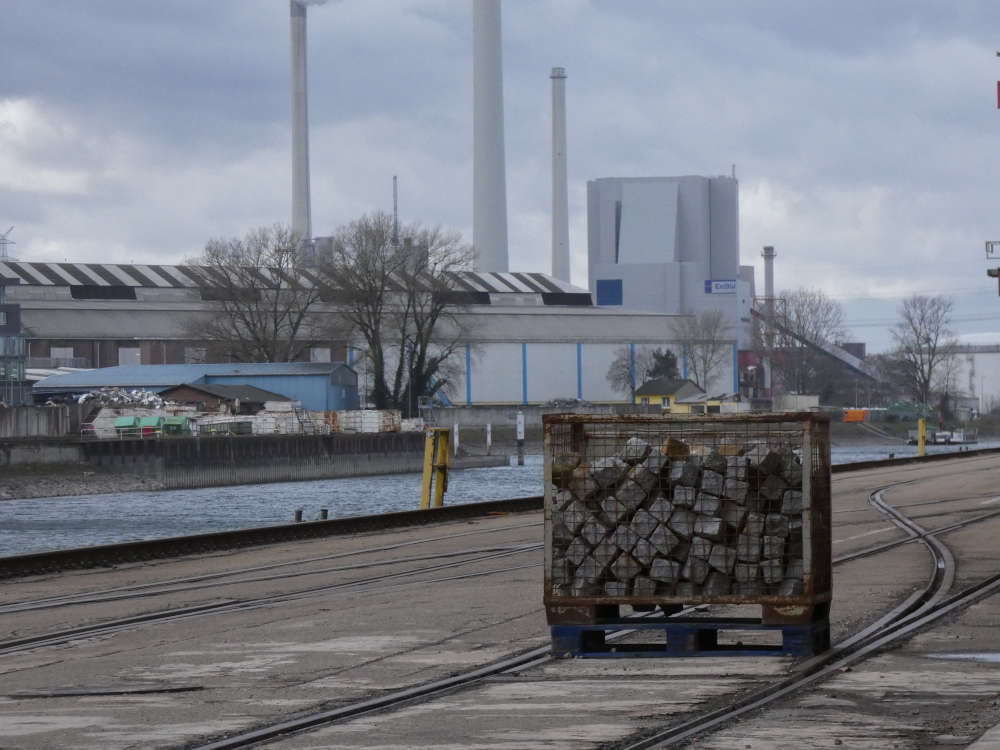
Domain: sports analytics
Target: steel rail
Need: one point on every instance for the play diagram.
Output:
(922, 607)
(141, 588)
(917, 603)
(111, 627)
(162, 589)
(153, 549)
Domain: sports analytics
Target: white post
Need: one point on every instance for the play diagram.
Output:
(489, 437)
(455, 433)
(520, 438)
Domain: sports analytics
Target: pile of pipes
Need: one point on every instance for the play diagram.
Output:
(675, 520)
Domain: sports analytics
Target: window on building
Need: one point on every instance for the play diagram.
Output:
(3, 317)
(319, 354)
(609, 291)
(644, 401)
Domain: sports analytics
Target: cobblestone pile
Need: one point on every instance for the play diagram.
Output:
(679, 520)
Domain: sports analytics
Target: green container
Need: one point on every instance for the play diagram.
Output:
(176, 426)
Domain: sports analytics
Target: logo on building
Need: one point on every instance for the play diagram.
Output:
(720, 286)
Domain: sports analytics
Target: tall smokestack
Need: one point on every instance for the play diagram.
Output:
(768, 254)
(560, 209)
(489, 193)
(301, 208)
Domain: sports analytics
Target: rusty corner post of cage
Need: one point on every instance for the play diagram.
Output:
(436, 464)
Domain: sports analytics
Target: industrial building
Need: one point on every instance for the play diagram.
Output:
(669, 245)
(318, 386)
(659, 248)
(531, 338)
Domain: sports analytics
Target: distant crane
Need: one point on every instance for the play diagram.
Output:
(4, 242)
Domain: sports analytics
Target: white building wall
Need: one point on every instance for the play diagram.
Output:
(551, 371)
(595, 360)
(496, 373)
(977, 373)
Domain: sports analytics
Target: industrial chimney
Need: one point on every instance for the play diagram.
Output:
(560, 209)
(489, 193)
(768, 254)
(769, 331)
(301, 209)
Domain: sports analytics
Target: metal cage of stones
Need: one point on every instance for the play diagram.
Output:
(679, 509)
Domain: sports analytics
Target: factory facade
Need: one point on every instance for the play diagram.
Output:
(669, 245)
(532, 338)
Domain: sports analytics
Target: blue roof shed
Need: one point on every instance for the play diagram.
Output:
(320, 386)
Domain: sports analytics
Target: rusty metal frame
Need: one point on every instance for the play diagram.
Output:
(817, 521)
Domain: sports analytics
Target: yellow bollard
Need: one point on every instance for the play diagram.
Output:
(921, 437)
(435, 467)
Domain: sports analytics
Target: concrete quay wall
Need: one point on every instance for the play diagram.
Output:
(206, 462)
(180, 463)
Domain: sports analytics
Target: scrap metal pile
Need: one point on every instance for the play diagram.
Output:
(651, 515)
(124, 397)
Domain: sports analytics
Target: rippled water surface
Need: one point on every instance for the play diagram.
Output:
(60, 523)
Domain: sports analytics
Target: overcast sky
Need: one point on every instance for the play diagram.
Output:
(865, 135)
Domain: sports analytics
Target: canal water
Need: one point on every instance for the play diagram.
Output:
(43, 524)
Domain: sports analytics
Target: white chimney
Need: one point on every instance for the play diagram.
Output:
(301, 209)
(768, 254)
(489, 193)
(560, 209)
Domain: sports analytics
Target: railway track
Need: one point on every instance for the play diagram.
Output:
(916, 612)
(922, 608)
(106, 628)
(254, 574)
(156, 549)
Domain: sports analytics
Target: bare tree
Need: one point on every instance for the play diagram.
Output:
(397, 294)
(810, 320)
(629, 368)
(633, 366)
(705, 342)
(925, 344)
(263, 310)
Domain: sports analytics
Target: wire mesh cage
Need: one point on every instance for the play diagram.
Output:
(672, 509)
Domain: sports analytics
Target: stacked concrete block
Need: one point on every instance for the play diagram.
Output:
(636, 516)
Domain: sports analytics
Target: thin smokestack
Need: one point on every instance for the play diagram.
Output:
(301, 206)
(489, 194)
(768, 255)
(560, 208)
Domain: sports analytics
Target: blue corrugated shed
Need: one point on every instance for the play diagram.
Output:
(320, 386)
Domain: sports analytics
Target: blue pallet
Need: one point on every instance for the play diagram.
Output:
(687, 637)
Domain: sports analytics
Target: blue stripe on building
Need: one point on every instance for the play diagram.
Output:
(736, 370)
(524, 372)
(579, 369)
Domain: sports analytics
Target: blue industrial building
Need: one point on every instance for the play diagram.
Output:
(320, 386)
